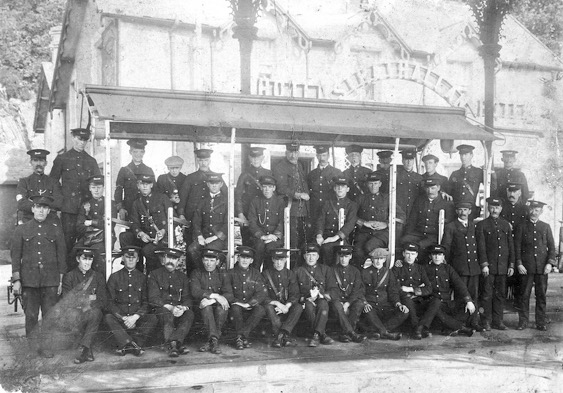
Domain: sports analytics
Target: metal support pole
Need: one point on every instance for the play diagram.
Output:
(107, 200)
(171, 227)
(393, 206)
(487, 170)
(287, 229)
(231, 235)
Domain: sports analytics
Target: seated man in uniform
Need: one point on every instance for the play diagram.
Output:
(347, 294)
(212, 289)
(330, 233)
(169, 295)
(265, 216)
(171, 183)
(382, 304)
(85, 289)
(249, 293)
(282, 305)
(314, 292)
(128, 307)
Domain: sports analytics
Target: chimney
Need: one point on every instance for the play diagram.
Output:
(55, 33)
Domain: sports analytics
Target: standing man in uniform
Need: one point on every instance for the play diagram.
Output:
(408, 182)
(503, 176)
(249, 187)
(171, 183)
(320, 181)
(356, 173)
(384, 168)
(73, 168)
(37, 184)
(465, 181)
(535, 257)
(430, 163)
(38, 255)
(126, 191)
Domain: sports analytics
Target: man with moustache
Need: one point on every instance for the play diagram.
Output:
(356, 173)
(320, 181)
(37, 184)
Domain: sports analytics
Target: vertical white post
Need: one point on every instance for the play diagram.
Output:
(287, 229)
(171, 227)
(107, 199)
(487, 170)
(393, 205)
(231, 235)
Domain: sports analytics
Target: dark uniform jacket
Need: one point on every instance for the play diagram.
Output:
(385, 178)
(265, 216)
(290, 179)
(168, 184)
(154, 205)
(413, 276)
(356, 176)
(320, 187)
(208, 221)
(514, 214)
(126, 191)
(128, 294)
(248, 188)
(73, 168)
(465, 183)
(37, 185)
(93, 210)
(204, 283)
(381, 288)
(425, 215)
(169, 288)
(309, 277)
(192, 193)
(461, 248)
(375, 207)
(495, 244)
(283, 286)
(327, 223)
(96, 289)
(443, 279)
(38, 253)
(500, 179)
(534, 246)
(248, 286)
(408, 188)
(348, 285)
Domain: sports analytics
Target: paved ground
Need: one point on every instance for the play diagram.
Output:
(512, 361)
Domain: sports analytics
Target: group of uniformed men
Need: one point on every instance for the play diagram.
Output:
(338, 220)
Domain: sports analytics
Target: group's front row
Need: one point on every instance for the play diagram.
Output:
(373, 300)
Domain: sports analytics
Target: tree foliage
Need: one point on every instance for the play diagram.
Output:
(544, 18)
(24, 42)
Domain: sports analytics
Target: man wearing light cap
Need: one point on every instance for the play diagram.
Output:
(535, 257)
(171, 183)
(356, 173)
(73, 168)
(496, 257)
(265, 216)
(126, 191)
(38, 254)
(384, 168)
(408, 182)
(320, 181)
(465, 181)
(328, 230)
(509, 174)
(282, 303)
(171, 299)
(37, 184)
(249, 187)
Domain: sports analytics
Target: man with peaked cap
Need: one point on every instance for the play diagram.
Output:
(171, 300)
(129, 319)
(535, 257)
(347, 294)
(373, 220)
(73, 168)
(212, 289)
(90, 226)
(282, 302)
(496, 257)
(329, 232)
(414, 287)
(356, 173)
(320, 181)
(430, 163)
(423, 222)
(37, 184)
(465, 181)
(409, 182)
(292, 184)
(265, 217)
(126, 191)
(210, 221)
(38, 254)
(84, 290)
(314, 291)
(508, 174)
(460, 244)
(249, 187)
(148, 222)
(249, 293)
(170, 183)
(384, 168)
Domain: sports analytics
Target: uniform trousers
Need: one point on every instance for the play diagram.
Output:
(34, 300)
(140, 333)
(174, 328)
(472, 284)
(68, 223)
(366, 242)
(298, 235)
(253, 316)
(89, 323)
(263, 257)
(285, 322)
(527, 282)
(493, 296)
(451, 315)
(348, 322)
(317, 314)
(214, 317)
(152, 262)
(416, 305)
(385, 318)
